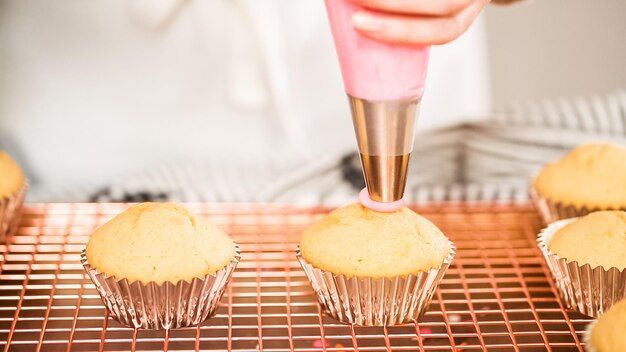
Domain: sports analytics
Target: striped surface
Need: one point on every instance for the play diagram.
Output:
(492, 160)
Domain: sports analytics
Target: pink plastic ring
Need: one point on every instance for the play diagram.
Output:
(382, 207)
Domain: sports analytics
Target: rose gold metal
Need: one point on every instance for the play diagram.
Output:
(389, 301)
(589, 290)
(384, 133)
(552, 211)
(497, 294)
(165, 306)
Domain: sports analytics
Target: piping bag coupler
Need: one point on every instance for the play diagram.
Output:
(384, 83)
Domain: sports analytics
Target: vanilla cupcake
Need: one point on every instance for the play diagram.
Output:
(371, 268)
(13, 187)
(608, 333)
(587, 257)
(158, 266)
(591, 177)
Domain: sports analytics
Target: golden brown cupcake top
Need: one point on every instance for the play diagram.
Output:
(11, 176)
(356, 241)
(609, 333)
(159, 242)
(592, 175)
(597, 239)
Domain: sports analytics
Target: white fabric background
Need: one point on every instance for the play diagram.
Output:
(94, 91)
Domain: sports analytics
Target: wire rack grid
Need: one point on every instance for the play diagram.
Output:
(497, 294)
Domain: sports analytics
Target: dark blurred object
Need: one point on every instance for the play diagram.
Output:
(352, 171)
(106, 195)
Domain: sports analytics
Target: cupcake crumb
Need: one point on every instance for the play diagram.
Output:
(607, 334)
(159, 242)
(591, 176)
(12, 179)
(357, 241)
(597, 239)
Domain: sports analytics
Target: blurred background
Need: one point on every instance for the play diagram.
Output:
(242, 100)
(556, 48)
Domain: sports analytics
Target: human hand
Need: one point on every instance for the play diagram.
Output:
(418, 22)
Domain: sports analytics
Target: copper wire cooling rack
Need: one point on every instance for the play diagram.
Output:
(497, 294)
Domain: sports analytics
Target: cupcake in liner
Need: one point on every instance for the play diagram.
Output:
(587, 179)
(591, 291)
(10, 211)
(607, 332)
(587, 337)
(552, 211)
(372, 301)
(166, 306)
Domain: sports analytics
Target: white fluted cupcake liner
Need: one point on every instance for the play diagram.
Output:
(166, 306)
(375, 301)
(552, 211)
(591, 291)
(10, 211)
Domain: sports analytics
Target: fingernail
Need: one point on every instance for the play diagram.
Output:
(366, 22)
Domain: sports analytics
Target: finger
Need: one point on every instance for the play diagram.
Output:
(417, 7)
(415, 30)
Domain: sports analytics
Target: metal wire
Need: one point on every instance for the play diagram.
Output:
(497, 294)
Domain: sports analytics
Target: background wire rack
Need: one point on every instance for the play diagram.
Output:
(497, 294)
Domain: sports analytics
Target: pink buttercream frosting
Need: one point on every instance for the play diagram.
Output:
(373, 70)
(381, 207)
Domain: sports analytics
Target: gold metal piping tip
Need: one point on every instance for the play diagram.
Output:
(384, 133)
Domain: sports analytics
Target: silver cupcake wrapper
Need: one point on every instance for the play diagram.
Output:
(590, 291)
(552, 211)
(10, 211)
(375, 301)
(165, 306)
